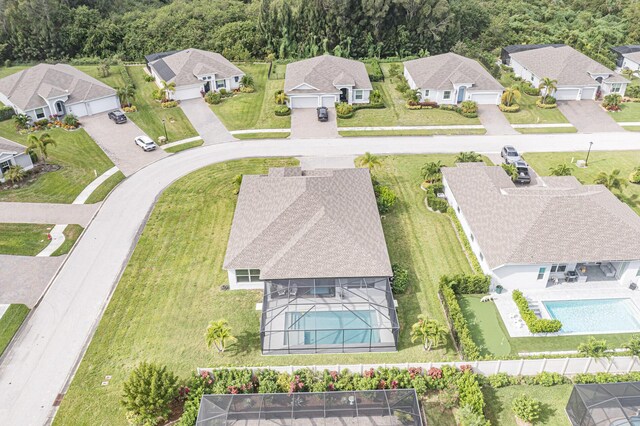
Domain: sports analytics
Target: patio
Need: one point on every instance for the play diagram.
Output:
(587, 273)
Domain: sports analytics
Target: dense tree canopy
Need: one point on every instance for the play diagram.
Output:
(34, 30)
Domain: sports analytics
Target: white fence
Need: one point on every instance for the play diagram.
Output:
(516, 367)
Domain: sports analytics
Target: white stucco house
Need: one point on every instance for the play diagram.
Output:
(579, 77)
(450, 79)
(194, 72)
(45, 90)
(627, 57)
(326, 80)
(534, 237)
(12, 154)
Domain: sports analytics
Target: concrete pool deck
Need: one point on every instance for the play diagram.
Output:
(566, 291)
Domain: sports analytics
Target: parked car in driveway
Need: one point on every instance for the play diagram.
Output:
(510, 154)
(523, 172)
(118, 116)
(323, 114)
(146, 143)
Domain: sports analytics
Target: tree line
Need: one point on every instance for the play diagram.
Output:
(37, 30)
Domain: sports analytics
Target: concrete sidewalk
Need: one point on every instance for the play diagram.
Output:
(206, 123)
(79, 214)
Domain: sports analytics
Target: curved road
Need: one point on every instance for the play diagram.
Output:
(45, 353)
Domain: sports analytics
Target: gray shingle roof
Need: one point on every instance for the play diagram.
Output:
(634, 56)
(311, 224)
(182, 67)
(626, 49)
(566, 65)
(563, 221)
(324, 73)
(9, 146)
(28, 88)
(441, 72)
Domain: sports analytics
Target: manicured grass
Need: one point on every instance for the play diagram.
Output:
(599, 161)
(5, 72)
(160, 313)
(485, 325)
(553, 400)
(263, 135)
(105, 188)
(10, 322)
(23, 239)
(71, 234)
(629, 112)
(114, 79)
(632, 128)
(77, 154)
(184, 146)
(529, 113)
(548, 130)
(354, 133)
(397, 114)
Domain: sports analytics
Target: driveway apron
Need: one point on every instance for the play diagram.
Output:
(305, 124)
(24, 278)
(206, 123)
(588, 117)
(494, 121)
(79, 214)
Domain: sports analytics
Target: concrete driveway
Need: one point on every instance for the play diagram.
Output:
(116, 140)
(206, 123)
(24, 278)
(588, 117)
(305, 124)
(494, 121)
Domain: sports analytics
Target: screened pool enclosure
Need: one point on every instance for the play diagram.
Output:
(608, 404)
(359, 408)
(328, 316)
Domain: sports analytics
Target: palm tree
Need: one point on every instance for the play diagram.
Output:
(511, 170)
(468, 157)
(431, 171)
(247, 81)
(281, 98)
(38, 146)
(611, 180)
(218, 334)
(429, 332)
(549, 86)
(628, 73)
(369, 161)
(21, 120)
(15, 174)
(561, 170)
(126, 94)
(511, 96)
(167, 89)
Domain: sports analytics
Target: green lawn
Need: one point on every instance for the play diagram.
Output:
(547, 130)
(633, 128)
(599, 161)
(184, 146)
(263, 135)
(629, 112)
(160, 313)
(77, 154)
(529, 113)
(23, 239)
(355, 133)
(253, 110)
(10, 322)
(485, 325)
(553, 401)
(5, 72)
(396, 113)
(71, 235)
(105, 188)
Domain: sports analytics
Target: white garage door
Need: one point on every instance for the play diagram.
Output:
(329, 101)
(102, 105)
(304, 102)
(588, 93)
(486, 98)
(567, 94)
(187, 93)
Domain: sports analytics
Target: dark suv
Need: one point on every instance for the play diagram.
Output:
(118, 117)
(523, 172)
(323, 114)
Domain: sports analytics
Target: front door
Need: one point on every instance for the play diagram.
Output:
(207, 87)
(461, 92)
(344, 95)
(60, 109)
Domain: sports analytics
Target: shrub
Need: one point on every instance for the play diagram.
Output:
(169, 104)
(549, 103)
(225, 93)
(385, 197)
(247, 81)
(449, 396)
(466, 416)
(458, 324)
(634, 177)
(470, 391)
(14, 174)
(147, 394)
(593, 348)
(499, 380)
(344, 110)
(611, 102)
(7, 63)
(41, 123)
(400, 279)
(535, 324)
(157, 94)
(376, 71)
(469, 107)
(526, 408)
(449, 107)
(530, 90)
(510, 108)
(149, 78)
(466, 284)
(282, 110)
(70, 120)
(395, 70)
(213, 98)
(131, 108)
(548, 379)
(6, 113)
(247, 89)
(375, 97)
(403, 86)
(433, 201)
(633, 91)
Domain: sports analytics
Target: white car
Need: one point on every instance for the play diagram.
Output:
(146, 143)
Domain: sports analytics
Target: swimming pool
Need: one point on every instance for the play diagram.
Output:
(595, 315)
(327, 327)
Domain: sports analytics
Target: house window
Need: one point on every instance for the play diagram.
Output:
(248, 275)
(471, 236)
(481, 257)
(541, 272)
(4, 166)
(236, 79)
(426, 93)
(39, 113)
(531, 77)
(616, 87)
(638, 273)
(558, 268)
(220, 84)
(447, 95)
(458, 209)
(357, 95)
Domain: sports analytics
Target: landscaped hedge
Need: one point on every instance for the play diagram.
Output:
(377, 105)
(376, 72)
(458, 323)
(546, 103)
(467, 284)
(530, 90)
(282, 110)
(510, 108)
(6, 113)
(433, 201)
(535, 324)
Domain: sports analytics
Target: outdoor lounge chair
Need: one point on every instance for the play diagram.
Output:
(293, 290)
(633, 286)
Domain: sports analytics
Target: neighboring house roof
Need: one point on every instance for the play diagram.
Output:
(29, 88)
(566, 65)
(8, 146)
(443, 71)
(159, 55)
(633, 56)
(513, 48)
(308, 224)
(563, 221)
(182, 67)
(630, 48)
(324, 73)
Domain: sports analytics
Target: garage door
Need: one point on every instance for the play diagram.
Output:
(304, 102)
(567, 94)
(102, 105)
(589, 93)
(329, 101)
(485, 98)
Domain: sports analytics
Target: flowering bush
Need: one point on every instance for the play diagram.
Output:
(169, 104)
(131, 108)
(611, 102)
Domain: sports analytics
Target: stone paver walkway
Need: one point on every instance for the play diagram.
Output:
(494, 120)
(24, 278)
(588, 117)
(206, 123)
(79, 214)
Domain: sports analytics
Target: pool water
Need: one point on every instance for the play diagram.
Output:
(595, 315)
(326, 327)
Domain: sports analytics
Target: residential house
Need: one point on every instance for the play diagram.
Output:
(326, 80)
(578, 76)
(313, 242)
(450, 79)
(45, 90)
(194, 72)
(533, 237)
(627, 57)
(11, 155)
